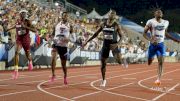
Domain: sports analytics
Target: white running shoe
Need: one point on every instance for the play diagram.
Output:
(103, 83)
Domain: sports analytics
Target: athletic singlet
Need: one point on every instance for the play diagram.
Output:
(20, 30)
(110, 32)
(157, 29)
(62, 31)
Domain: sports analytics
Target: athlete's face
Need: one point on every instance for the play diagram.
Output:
(158, 14)
(112, 15)
(65, 16)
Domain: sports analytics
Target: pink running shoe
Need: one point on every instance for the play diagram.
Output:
(30, 66)
(52, 79)
(65, 81)
(15, 75)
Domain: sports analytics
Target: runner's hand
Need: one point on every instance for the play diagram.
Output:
(65, 40)
(152, 40)
(84, 44)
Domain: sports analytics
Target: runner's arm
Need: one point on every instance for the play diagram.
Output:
(11, 28)
(29, 26)
(96, 33)
(170, 37)
(120, 33)
(145, 33)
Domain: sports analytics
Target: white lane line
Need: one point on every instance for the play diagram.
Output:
(40, 74)
(163, 94)
(77, 97)
(18, 92)
(68, 85)
(129, 78)
(166, 79)
(146, 87)
(29, 82)
(49, 93)
(88, 94)
(138, 98)
(120, 86)
(26, 73)
(101, 91)
(3, 85)
(27, 91)
(61, 78)
(41, 89)
(58, 96)
(22, 75)
(70, 72)
(91, 77)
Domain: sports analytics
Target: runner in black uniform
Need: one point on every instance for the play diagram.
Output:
(112, 32)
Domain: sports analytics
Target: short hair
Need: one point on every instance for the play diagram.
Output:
(157, 9)
(113, 11)
(65, 12)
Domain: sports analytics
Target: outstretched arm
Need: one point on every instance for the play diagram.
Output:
(29, 26)
(170, 37)
(94, 35)
(120, 33)
(11, 28)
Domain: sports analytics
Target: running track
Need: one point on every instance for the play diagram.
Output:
(133, 84)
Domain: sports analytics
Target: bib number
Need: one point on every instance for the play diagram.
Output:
(109, 37)
(59, 39)
(21, 32)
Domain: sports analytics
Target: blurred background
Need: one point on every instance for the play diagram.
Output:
(85, 16)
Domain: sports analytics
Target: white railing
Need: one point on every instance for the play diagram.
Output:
(42, 50)
(75, 53)
(69, 6)
(2, 50)
(11, 54)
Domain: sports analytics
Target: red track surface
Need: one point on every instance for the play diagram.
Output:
(132, 84)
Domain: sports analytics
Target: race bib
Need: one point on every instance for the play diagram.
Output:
(21, 32)
(109, 37)
(59, 39)
(157, 38)
(62, 30)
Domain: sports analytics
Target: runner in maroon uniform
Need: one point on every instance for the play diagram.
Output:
(22, 26)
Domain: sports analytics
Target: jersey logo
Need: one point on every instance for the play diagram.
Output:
(109, 29)
(159, 27)
(62, 30)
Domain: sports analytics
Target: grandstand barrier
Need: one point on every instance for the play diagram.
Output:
(73, 9)
(11, 53)
(2, 52)
(2, 65)
(111, 58)
(78, 57)
(42, 57)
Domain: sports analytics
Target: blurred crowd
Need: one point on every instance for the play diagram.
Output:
(45, 18)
